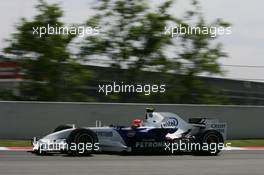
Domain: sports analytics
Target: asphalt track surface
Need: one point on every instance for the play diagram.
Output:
(227, 163)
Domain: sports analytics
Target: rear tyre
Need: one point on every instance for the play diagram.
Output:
(81, 142)
(212, 139)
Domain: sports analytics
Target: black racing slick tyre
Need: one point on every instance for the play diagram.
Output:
(81, 142)
(213, 140)
(62, 127)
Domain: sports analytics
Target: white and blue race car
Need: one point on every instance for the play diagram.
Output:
(158, 132)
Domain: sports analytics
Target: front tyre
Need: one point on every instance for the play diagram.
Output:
(81, 142)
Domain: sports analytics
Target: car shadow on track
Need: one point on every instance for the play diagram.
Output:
(123, 154)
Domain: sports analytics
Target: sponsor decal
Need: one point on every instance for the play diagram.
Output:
(214, 125)
(170, 123)
(220, 127)
(104, 134)
(149, 144)
(131, 133)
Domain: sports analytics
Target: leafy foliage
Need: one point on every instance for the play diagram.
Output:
(51, 72)
(133, 38)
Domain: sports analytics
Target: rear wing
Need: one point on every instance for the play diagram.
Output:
(210, 124)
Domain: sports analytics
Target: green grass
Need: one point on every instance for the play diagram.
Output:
(240, 143)
(234, 143)
(18, 143)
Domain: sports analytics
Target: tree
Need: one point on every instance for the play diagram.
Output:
(51, 73)
(199, 54)
(133, 38)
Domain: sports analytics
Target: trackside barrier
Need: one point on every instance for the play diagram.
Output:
(24, 120)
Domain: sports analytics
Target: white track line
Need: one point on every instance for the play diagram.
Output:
(15, 149)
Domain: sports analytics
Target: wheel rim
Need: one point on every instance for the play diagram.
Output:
(83, 138)
(211, 138)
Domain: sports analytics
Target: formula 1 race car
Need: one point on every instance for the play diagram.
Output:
(158, 132)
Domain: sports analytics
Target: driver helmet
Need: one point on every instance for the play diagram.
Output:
(136, 123)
